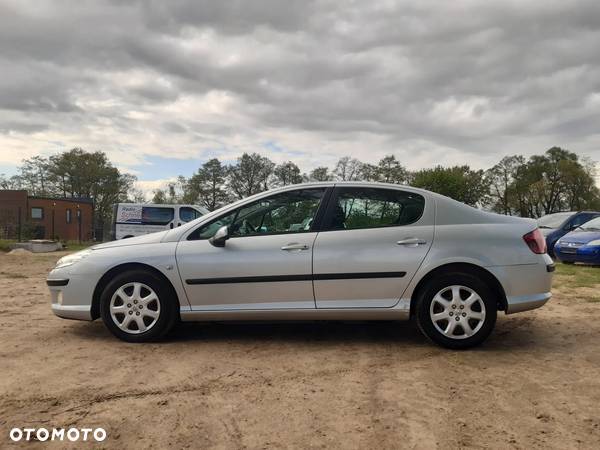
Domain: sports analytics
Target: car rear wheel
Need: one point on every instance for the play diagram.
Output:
(456, 310)
(136, 306)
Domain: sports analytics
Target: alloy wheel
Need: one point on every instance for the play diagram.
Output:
(457, 312)
(134, 308)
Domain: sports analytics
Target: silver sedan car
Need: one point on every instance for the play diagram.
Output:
(319, 251)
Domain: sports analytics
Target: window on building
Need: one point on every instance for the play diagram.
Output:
(37, 213)
(69, 216)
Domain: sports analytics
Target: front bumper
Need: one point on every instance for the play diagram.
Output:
(71, 295)
(72, 312)
(583, 254)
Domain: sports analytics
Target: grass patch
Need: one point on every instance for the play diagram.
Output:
(578, 276)
(5, 245)
(74, 246)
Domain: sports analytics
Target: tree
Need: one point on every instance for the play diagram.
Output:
(35, 177)
(250, 175)
(287, 173)
(348, 169)
(581, 191)
(458, 182)
(500, 179)
(552, 182)
(320, 174)
(207, 185)
(136, 195)
(368, 172)
(77, 173)
(13, 182)
(160, 197)
(389, 170)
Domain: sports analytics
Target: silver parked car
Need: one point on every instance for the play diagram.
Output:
(320, 251)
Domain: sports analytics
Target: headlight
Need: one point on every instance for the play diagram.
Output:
(72, 259)
(594, 242)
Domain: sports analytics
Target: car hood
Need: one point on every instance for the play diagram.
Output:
(581, 237)
(151, 238)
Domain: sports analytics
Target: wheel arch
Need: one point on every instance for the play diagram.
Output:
(470, 268)
(110, 274)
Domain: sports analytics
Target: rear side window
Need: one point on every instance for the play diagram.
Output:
(356, 208)
(187, 214)
(157, 216)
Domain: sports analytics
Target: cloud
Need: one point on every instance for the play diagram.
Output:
(452, 82)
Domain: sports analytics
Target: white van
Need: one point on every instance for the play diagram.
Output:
(135, 219)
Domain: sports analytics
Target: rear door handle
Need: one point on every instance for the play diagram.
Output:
(294, 246)
(411, 242)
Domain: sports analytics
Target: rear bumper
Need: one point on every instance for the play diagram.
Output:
(526, 302)
(526, 286)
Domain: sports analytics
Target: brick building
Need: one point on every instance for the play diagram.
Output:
(68, 219)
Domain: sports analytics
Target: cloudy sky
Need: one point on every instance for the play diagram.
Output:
(162, 86)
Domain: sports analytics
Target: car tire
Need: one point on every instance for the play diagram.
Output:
(137, 306)
(456, 310)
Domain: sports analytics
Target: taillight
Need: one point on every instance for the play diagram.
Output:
(536, 241)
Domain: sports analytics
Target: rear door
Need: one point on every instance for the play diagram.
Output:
(372, 242)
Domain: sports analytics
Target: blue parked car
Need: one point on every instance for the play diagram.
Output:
(554, 226)
(580, 245)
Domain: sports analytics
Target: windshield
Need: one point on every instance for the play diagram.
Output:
(592, 225)
(553, 220)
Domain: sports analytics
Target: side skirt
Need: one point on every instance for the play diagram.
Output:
(399, 312)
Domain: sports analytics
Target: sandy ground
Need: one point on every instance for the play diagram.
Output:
(534, 384)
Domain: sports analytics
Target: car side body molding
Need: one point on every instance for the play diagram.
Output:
(303, 277)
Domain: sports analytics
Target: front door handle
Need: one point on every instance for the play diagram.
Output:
(294, 246)
(411, 242)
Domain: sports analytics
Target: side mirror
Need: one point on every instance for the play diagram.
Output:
(219, 238)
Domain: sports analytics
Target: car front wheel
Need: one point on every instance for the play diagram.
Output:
(456, 310)
(136, 306)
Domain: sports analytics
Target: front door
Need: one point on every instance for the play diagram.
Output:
(372, 242)
(266, 263)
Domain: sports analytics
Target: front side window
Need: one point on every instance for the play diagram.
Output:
(355, 208)
(157, 216)
(187, 214)
(37, 213)
(288, 212)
